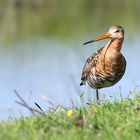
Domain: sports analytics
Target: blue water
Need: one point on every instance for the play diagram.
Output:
(52, 68)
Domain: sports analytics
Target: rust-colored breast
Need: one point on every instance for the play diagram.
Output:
(104, 68)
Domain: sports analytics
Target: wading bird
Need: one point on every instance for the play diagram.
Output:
(107, 66)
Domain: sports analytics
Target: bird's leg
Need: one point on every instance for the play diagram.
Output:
(97, 95)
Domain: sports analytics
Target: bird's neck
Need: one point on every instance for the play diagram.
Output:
(111, 52)
(115, 44)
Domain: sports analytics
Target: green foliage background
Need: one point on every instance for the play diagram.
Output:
(20, 19)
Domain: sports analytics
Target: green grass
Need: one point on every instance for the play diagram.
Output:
(108, 121)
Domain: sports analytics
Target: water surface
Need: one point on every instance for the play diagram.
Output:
(53, 68)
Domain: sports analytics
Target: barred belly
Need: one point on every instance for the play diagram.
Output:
(101, 81)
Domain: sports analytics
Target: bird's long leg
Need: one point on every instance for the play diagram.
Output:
(97, 94)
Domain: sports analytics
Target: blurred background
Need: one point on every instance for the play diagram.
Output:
(41, 51)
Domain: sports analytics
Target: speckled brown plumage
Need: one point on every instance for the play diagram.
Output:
(107, 66)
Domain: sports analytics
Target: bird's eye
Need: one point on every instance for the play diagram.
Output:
(117, 30)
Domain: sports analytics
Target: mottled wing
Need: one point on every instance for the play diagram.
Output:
(90, 63)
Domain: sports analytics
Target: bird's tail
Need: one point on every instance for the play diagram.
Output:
(82, 83)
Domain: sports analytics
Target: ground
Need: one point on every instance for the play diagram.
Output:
(107, 121)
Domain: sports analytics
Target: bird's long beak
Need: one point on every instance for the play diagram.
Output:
(99, 38)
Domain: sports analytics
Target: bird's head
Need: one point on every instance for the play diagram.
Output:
(115, 32)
